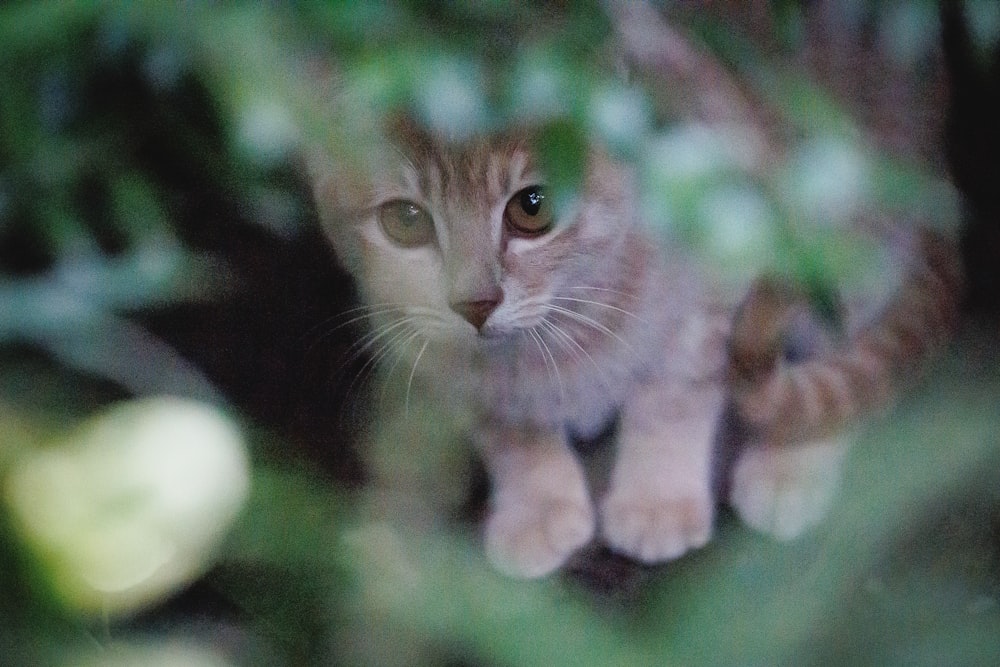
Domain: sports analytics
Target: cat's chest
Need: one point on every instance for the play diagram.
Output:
(546, 384)
(531, 380)
(541, 381)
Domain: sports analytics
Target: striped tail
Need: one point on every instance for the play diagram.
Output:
(786, 402)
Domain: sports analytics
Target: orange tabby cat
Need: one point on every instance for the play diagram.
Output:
(498, 324)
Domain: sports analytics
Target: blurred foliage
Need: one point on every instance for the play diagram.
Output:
(148, 181)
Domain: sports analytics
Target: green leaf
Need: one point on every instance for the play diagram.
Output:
(562, 150)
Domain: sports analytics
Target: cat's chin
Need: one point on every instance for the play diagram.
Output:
(508, 329)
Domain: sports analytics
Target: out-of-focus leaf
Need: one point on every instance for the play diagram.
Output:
(562, 150)
(984, 24)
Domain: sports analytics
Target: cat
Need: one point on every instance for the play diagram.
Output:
(499, 321)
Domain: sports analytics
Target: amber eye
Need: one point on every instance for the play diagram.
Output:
(406, 223)
(527, 213)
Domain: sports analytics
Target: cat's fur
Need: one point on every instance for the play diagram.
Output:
(796, 411)
(589, 320)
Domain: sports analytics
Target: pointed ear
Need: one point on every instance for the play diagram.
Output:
(405, 131)
(342, 181)
(340, 188)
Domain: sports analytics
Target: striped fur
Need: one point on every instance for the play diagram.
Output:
(786, 402)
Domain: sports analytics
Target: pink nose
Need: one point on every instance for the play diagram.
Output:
(476, 312)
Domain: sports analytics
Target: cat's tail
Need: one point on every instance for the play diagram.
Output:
(786, 401)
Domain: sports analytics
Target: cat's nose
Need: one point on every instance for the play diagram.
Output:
(476, 312)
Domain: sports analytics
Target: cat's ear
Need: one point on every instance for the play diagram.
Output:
(341, 188)
(406, 132)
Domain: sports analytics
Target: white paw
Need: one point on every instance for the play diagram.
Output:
(531, 537)
(784, 491)
(653, 529)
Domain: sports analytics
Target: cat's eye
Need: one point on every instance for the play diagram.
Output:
(406, 223)
(527, 213)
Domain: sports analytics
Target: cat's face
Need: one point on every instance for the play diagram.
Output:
(464, 242)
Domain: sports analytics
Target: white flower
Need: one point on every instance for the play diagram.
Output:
(131, 505)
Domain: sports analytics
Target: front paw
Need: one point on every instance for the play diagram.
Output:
(531, 537)
(652, 528)
(784, 491)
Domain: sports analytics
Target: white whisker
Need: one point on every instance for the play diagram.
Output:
(603, 289)
(385, 347)
(583, 319)
(601, 304)
(394, 343)
(559, 336)
(320, 332)
(365, 343)
(570, 343)
(534, 336)
(547, 357)
(398, 349)
(372, 312)
(409, 380)
(366, 310)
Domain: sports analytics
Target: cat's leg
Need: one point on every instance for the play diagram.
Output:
(540, 508)
(419, 464)
(418, 467)
(659, 503)
(783, 490)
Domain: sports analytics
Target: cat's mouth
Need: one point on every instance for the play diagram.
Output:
(497, 330)
(492, 332)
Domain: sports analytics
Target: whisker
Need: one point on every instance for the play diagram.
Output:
(387, 336)
(311, 338)
(601, 304)
(372, 312)
(373, 362)
(364, 343)
(394, 343)
(534, 337)
(583, 319)
(603, 289)
(570, 341)
(547, 356)
(559, 336)
(398, 348)
(386, 307)
(555, 366)
(409, 381)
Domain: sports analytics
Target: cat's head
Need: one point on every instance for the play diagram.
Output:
(463, 239)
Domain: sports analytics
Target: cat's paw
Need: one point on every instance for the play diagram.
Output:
(531, 537)
(784, 491)
(652, 529)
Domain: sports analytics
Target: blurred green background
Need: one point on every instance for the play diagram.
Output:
(157, 238)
